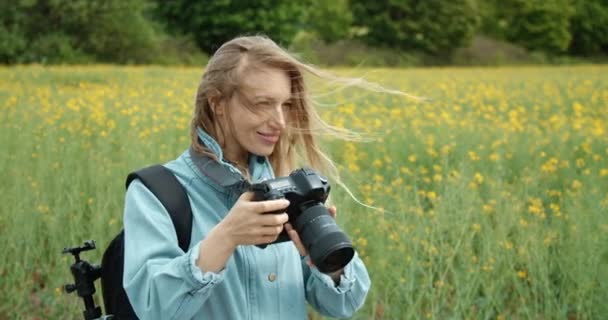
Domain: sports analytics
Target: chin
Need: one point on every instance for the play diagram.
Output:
(263, 151)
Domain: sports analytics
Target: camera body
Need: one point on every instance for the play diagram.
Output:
(303, 188)
(329, 247)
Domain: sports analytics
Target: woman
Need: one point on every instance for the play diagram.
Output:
(251, 121)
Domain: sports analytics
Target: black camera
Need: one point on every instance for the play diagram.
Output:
(329, 247)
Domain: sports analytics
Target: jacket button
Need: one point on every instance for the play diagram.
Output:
(272, 276)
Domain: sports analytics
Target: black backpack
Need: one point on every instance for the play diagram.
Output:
(163, 184)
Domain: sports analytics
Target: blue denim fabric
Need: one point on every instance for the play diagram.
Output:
(163, 282)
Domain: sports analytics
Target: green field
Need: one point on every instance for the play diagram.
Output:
(493, 193)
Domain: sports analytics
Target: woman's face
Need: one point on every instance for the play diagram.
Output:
(258, 113)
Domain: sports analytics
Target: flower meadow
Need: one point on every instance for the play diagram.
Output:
(486, 199)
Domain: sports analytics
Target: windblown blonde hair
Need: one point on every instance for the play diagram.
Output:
(298, 144)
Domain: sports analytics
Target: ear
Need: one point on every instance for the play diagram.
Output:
(214, 98)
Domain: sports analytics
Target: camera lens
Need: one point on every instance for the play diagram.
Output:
(329, 247)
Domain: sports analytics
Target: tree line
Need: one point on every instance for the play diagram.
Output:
(179, 31)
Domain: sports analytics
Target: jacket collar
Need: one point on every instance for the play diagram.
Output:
(210, 143)
(257, 164)
(222, 173)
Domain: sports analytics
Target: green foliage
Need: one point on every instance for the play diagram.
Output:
(589, 27)
(55, 48)
(349, 52)
(76, 31)
(12, 43)
(330, 20)
(436, 27)
(181, 50)
(121, 33)
(12, 38)
(539, 25)
(211, 23)
(343, 32)
(491, 24)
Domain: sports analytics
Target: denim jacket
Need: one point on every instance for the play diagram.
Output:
(163, 282)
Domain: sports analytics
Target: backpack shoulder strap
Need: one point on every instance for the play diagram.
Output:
(165, 186)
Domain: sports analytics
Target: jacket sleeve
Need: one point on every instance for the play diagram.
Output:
(341, 300)
(161, 281)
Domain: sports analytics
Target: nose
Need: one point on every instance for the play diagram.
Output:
(277, 119)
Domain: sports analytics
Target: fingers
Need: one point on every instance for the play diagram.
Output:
(273, 219)
(268, 234)
(265, 239)
(270, 205)
(266, 206)
(247, 196)
(333, 212)
(295, 238)
(270, 231)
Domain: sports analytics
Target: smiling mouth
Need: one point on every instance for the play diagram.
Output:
(269, 138)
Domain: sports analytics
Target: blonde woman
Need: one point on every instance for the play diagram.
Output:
(253, 119)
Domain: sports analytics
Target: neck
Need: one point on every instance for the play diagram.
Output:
(232, 152)
(239, 158)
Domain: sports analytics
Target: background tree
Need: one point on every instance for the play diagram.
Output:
(589, 27)
(539, 25)
(433, 26)
(492, 23)
(395, 32)
(76, 31)
(330, 20)
(211, 23)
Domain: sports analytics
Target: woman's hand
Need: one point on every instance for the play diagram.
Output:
(293, 234)
(248, 222)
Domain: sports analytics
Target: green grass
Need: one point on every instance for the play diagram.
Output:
(494, 192)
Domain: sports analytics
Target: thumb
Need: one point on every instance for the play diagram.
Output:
(247, 196)
(332, 211)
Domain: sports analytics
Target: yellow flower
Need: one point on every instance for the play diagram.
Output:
(478, 178)
(353, 167)
(473, 156)
(549, 166)
(377, 163)
(378, 178)
(362, 242)
(580, 162)
(405, 171)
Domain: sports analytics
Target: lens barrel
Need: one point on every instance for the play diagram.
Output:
(329, 247)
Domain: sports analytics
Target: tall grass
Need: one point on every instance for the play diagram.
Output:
(493, 194)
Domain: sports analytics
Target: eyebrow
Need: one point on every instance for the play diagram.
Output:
(263, 97)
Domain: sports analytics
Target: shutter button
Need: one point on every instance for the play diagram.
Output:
(272, 276)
